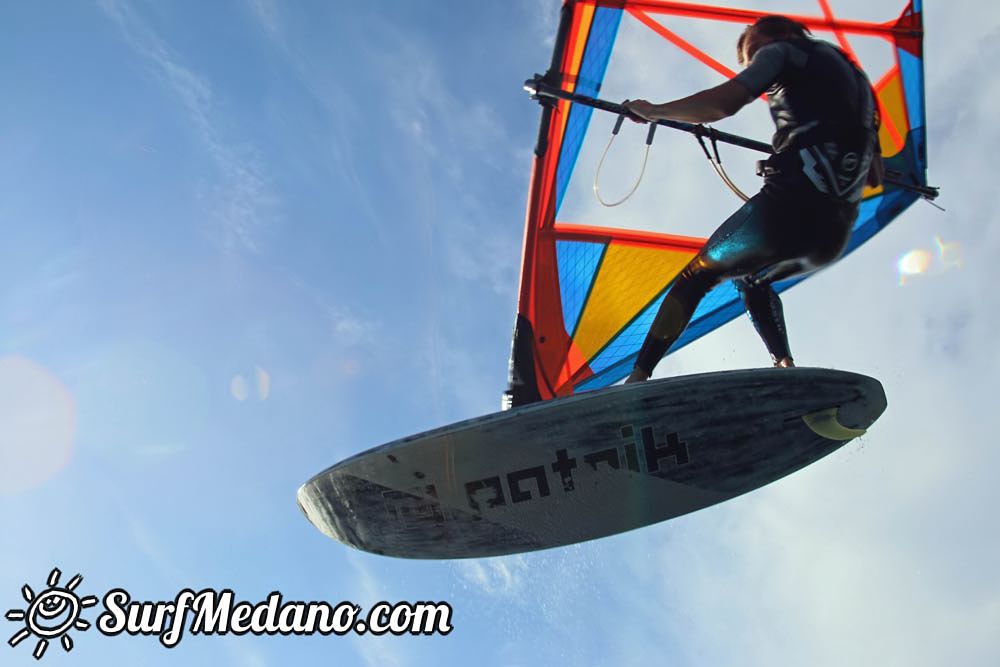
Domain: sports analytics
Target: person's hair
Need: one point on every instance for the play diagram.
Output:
(772, 26)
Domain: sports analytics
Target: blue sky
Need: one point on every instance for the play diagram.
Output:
(244, 240)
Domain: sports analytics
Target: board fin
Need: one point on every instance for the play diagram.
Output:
(825, 424)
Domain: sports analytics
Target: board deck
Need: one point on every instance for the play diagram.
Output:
(590, 465)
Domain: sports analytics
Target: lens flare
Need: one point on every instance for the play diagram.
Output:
(945, 256)
(263, 384)
(913, 263)
(37, 425)
(240, 386)
(949, 254)
(239, 389)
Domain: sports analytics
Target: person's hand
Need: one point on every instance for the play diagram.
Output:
(641, 111)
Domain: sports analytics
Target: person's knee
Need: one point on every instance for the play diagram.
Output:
(752, 289)
(699, 276)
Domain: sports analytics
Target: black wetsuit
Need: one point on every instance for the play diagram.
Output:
(800, 221)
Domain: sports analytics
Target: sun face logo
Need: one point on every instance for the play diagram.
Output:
(51, 614)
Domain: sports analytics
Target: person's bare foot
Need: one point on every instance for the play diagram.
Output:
(638, 375)
(786, 362)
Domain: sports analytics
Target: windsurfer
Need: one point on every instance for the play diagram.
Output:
(826, 151)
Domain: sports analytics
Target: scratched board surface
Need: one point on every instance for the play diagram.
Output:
(590, 465)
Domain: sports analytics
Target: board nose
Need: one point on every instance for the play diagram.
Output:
(306, 504)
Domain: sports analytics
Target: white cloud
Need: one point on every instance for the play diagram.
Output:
(350, 329)
(504, 577)
(268, 16)
(369, 589)
(438, 117)
(335, 139)
(242, 202)
(544, 20)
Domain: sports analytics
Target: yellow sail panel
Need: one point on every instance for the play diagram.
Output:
(894, 122)
(629, 278)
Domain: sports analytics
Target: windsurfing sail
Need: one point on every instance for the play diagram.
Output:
(590, 289)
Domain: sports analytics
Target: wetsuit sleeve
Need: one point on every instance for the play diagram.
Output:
(764, 69)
